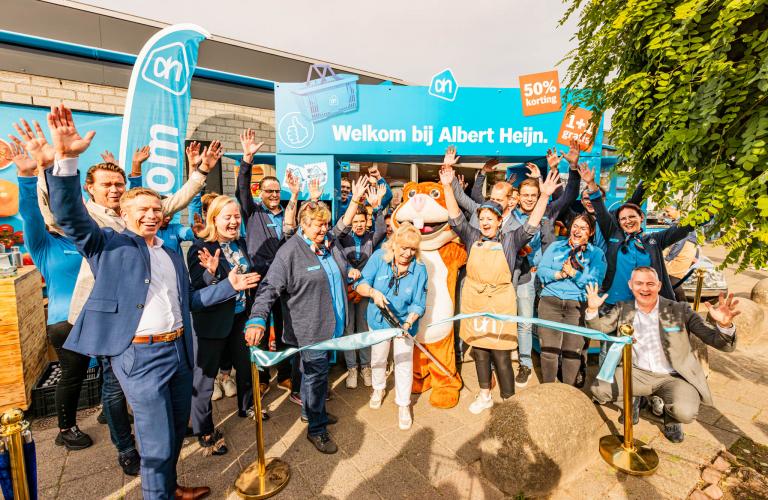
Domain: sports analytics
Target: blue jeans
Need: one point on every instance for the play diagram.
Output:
(526, 296)
(356, 323)
(314, 388)
(115, 410)
(157, 381)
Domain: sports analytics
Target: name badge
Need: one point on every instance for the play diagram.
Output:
(71, 252)
(672, 329)
(382, 278)
(271, 225)
(313, 268)
(615, 240)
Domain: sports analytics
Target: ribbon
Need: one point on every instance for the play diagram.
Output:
(612, 358)
(346, 343)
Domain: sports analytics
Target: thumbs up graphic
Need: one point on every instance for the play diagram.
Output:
(296, 132)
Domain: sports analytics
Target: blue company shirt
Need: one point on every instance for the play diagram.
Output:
(535, 256)
(411, 292)
(625, 264)
(594, 263)
(55, 256)
(276, 222)
(174, 234)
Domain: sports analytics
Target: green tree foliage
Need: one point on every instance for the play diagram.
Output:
(688, 81)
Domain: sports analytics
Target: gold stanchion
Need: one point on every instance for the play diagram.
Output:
(700, 273)
(625, 453)
(12, 425)
(266, 476)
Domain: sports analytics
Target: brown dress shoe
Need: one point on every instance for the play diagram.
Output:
(191, 492)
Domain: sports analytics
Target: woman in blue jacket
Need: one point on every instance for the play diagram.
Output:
(566, 268)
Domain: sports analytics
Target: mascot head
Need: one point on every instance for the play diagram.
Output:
(424, 206)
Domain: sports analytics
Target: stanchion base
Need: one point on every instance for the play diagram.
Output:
(641, 461)
(250, 486)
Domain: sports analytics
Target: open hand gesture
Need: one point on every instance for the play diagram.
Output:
(315, 189)
(34, 143)
(551, 184)
(66, 140)
(533, 171)
(725, 310)
(243, 281)
(249, 144)
(293, 183)
(208, 261)
(359, 187)
(572, 156)
(553, 158)
(446, 176)
(193, 154)
(587, 174)
(25, 166)
(108, 157)
(450, 159)
(211, 155)
(376, 194)
(488, 166)
(140, 155)
(594, 299)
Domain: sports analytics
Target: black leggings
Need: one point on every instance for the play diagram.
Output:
(74, 367)
(503, 363)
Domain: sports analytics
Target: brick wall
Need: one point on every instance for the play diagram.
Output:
(207, 120)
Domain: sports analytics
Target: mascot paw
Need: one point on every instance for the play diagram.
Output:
(444, 397)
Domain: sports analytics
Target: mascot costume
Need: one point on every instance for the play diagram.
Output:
(424, 206)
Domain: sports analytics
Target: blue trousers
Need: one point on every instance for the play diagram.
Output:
(314, 388)
(526, 296)
(115, 410)
(157, 381)
(357, 322)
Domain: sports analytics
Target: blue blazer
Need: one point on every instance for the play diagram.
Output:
(121, 268)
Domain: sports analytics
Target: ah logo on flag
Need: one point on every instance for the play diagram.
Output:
(168, 68)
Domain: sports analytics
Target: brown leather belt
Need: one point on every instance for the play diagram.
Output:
(160, 337)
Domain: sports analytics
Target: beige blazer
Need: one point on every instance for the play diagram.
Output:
(676, 321)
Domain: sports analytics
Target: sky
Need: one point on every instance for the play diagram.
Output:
(486, 43)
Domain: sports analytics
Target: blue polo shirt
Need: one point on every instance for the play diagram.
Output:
(411, 290)
(593, 260)
(337, 284)
(276, 221)
(174, 234)
(625, 264)
(535, 256)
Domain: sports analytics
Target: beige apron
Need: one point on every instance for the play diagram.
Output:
(488, 288)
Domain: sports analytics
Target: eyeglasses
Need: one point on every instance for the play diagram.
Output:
(270, 191)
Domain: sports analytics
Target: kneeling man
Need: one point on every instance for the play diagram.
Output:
(662, 357)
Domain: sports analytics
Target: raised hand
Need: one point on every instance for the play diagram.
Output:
(66, 140)
(574, 151)
(141, 155)
(193, 154)
(446, 176)
(359, 187)
(198, 226)
(211, 155)
(376, 194)
(587, 175)
(725, 310)
(551, 184)
(315, 189)
(533, 171)
(253, 335)
(243, 281)
(34, 143)
(450, 159)
(594, 299)
(488, 167)
(208, 261)
(553, 158)
(249, 144)
(25, 166)
(108, 157)
(293, 183)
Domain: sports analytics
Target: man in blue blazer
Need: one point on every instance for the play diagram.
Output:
(138, 313)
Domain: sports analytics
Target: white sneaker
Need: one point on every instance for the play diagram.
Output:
(480, 403)
(376, 398)
(352, 378)
(230, 389)
(404, 420)
(367, 378)
(217, 391)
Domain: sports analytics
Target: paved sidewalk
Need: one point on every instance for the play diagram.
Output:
(438, 458)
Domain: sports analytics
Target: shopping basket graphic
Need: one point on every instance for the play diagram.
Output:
(327, 96)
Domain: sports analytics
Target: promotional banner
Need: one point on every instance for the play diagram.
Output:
(348, 119)
(157, 104)
(107, 128)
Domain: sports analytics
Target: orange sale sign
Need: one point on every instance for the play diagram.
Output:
(540, 93)
(576, 126)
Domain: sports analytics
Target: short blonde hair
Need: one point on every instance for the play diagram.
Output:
(314, 210)
(403, 234)
(209, 232)
(130, 195)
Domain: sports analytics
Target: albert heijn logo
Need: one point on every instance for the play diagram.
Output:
(444, 85)
(168, 68)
